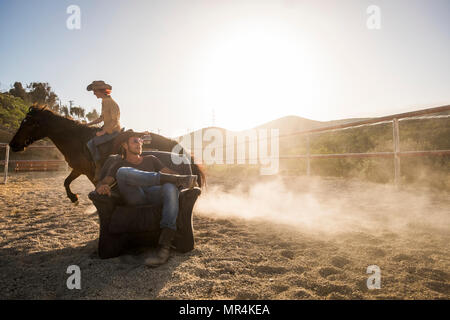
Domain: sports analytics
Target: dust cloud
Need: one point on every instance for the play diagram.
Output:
(329, 205)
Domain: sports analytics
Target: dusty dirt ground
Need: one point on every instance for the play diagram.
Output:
(237, 256)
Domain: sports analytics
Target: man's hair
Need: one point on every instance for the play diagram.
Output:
(122, 150)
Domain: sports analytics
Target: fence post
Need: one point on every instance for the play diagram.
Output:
(396, 152)
(5, 179)
(308, 158)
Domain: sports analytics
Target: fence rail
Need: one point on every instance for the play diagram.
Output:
(32, 161)
(370, 154)
(44, 164)
(397, 116)
(396, 140)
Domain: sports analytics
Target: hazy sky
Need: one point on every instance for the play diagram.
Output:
(171, 63)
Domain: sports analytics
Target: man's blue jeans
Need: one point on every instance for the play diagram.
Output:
(139, 187)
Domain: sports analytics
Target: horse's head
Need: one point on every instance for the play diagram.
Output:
(33, 128)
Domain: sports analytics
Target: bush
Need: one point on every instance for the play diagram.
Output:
(12, 111)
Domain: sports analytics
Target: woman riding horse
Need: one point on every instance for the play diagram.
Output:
(111, 122)
(71, 136)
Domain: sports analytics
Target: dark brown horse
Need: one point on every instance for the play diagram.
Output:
(70, 137)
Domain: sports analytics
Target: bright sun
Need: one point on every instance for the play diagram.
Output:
(256, 69)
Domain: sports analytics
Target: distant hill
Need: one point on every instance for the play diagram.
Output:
(287, 125)
(292, 123)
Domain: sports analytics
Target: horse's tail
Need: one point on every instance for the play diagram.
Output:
(199, 171)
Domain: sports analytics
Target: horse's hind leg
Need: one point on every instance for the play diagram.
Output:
(72, 176)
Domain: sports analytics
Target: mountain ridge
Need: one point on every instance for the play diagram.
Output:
(287, 124)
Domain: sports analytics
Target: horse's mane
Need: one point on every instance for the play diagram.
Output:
(66, 123)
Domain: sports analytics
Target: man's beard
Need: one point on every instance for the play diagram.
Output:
(135, 153)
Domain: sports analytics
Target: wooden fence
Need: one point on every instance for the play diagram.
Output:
(30, 165)
(396, 153)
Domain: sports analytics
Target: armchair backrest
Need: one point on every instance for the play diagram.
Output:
(184, 166)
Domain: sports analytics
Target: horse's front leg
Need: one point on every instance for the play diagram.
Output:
(72, 176)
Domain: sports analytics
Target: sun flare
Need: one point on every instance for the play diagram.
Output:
(255, 69)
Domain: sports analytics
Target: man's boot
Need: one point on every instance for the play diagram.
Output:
(163, 252)
(183, 181)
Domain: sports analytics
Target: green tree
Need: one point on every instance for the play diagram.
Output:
(12, 111)
(92, 115)
(42, 93)
(81, 112)
(19, 92)
(78, 112)
(64, 111)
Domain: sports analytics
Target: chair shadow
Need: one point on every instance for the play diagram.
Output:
(43, 275)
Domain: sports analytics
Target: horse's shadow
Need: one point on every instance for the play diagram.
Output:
(43, 275)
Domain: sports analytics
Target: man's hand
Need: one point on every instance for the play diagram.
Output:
(104, 189)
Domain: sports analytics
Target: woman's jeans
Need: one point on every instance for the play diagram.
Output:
(96, 141)
(139, 187)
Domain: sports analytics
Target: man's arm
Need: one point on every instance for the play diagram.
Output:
(104, 186)
(98, 120)
(109, 181)
(160, 167)
(167, 170)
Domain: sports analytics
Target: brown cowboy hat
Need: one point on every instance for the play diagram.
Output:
(98, 85)
(124, 136)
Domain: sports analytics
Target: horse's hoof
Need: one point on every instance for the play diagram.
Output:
(73, 198)
(76, 203)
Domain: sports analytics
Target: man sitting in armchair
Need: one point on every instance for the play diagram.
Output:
(145, 180)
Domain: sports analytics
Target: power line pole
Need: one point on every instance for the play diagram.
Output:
(70, 102)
